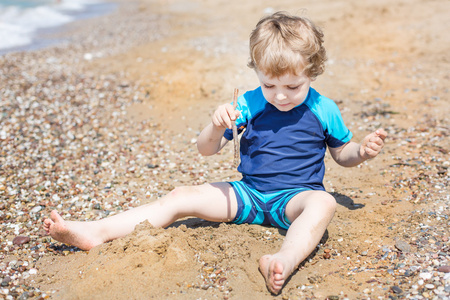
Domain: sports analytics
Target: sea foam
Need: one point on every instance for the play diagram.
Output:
(20, 20)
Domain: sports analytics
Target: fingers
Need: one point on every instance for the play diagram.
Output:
(381, 133)
(375, 143)
(370, 152)
(224, 116)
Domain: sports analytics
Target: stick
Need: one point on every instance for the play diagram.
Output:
(235, 132)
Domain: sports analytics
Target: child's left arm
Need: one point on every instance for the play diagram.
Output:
(352, 154)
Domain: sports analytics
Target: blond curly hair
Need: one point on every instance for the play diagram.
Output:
(282, 43)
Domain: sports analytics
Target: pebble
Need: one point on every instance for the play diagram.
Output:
(396, 289)
(33, 271)
(20, 240)
(402, 246)
(426, 276)
(24, 296)
(6, 281)
(36, 209)
(444, 269)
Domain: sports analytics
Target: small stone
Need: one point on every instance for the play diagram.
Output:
(20, 240)
(332, 297)
(221, 280)
(396, 289)
(444, 269)
(24, 296)
(425, 275)
(36, 209)
(6, 281)
(402, 246)
(33, 271)
(88, 56)
(429, 286)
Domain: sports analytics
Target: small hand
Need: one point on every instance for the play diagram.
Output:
(373, 143)
(224, 116)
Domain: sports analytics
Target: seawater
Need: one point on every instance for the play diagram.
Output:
(22, 21)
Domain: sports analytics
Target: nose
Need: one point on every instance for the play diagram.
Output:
(280, 96)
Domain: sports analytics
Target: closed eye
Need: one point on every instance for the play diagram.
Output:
(293, 87)
(268, 86)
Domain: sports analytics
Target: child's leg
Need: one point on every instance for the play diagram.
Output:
(310, 213)
(213, 202)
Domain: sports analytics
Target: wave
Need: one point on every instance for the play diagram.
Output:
(20, 20)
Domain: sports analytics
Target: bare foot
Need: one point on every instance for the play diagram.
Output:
(275, 270)
(78, 234)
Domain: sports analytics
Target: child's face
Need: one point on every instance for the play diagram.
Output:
(284, 92)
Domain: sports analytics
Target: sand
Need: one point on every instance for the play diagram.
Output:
(163, 67)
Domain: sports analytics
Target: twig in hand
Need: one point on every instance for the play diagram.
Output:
(235, 132)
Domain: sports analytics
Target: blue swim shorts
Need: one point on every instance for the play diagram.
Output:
(255, 207)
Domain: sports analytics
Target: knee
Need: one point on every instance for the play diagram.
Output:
(180, 195)
(328, 202)
(174, 201)
(325, 202)
(177, 193)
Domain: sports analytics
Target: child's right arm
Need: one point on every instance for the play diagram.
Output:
(211, 139)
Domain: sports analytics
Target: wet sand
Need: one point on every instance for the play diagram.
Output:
(109, 121)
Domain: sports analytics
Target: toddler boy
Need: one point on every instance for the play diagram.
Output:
(288, 126)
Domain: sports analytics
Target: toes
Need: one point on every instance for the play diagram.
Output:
(275, 289)
(56, 217)
(272, 270)
(47, 224)
(278, 276)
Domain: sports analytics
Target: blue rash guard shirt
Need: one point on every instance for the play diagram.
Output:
(286, 150)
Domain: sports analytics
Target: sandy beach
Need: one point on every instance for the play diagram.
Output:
(108, 121)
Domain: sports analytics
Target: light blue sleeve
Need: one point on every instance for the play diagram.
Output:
(329, 115)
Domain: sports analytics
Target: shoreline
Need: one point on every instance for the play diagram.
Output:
(53, 36)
